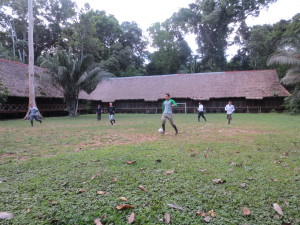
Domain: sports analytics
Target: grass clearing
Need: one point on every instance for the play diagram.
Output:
(55, 169)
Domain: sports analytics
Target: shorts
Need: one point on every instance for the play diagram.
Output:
(111, 116)
(166, 116)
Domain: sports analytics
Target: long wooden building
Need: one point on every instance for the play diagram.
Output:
(250, 91)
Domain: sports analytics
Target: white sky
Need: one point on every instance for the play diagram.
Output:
(147, 12)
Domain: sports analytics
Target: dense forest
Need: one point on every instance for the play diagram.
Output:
(122, 48)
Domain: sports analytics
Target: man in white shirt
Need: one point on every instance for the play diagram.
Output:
(201, 112)
(229, 108)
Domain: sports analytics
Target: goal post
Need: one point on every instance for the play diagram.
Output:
(183, 105)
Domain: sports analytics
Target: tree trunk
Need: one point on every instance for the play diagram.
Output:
(71, 102)
(31, 95)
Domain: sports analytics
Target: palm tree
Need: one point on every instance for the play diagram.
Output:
(289, 54)
(73, 74)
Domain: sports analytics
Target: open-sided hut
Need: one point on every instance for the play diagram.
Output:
(250, 91)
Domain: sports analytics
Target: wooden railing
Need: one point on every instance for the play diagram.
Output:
(22, 108)
(19, 108)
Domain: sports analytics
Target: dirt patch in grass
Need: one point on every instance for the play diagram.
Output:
(115, 139)
(6, 155)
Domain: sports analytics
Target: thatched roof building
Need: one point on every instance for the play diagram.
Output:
(202, 86)
(248, 89)
(14, 77)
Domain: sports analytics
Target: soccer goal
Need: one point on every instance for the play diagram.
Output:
(182, 105)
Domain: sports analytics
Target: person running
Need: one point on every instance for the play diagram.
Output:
(167, 113)
(229, 108)
(98, 112)
(33, 114)
(200, 112)
(111, 112)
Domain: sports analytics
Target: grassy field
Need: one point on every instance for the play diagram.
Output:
(51, 173)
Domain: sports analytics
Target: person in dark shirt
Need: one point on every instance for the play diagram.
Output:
(98, 112)
(111, 112)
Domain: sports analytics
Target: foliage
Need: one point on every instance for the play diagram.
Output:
(74, 74)
(212, 22)
(3, 93)
(289, 54)
(53, 180)
(173, 51)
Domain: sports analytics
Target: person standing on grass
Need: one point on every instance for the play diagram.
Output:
(167, 113)
(98, 112)
(111, 112)
(229, 108)
(201, 112)
(33, 114)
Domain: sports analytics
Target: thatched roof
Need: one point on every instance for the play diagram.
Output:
(14, 76)
(201, 86)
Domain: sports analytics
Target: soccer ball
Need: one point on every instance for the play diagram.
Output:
(160, 130)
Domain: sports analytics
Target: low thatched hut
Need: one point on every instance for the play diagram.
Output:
(251, 91)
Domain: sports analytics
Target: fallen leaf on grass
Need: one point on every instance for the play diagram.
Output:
(277, 162)
(201, 214)
(212, 213)
(207, 219)
(6, 215)
(123, 199)
(81, 191)
(97, 221)
(53, 203)
(203, 170)
(167, 218)
(278, 209)
(243, 185)
(115, 180)
(175, 206)
(142, 187)
(219, 181)
(130, 162)
(206, 156)
(102, 193)
(93, 177)
(28, 210)
(169, 172)
(246, 211)
(121, 207)
(131, 218)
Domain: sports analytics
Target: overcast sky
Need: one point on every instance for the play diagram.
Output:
(147, 12)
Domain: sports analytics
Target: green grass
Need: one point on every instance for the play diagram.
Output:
(52, 161)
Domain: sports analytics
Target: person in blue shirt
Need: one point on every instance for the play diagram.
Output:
(98, 112)
(167, 113)
(229, 108)
(33, 114)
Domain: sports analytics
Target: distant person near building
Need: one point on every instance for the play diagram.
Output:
(33, 114)
(167, 113)
(99, 112)
(229, 108)
(201, 112)
(111, 112)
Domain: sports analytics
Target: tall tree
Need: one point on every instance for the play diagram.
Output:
(73, 74)
(172, 53)
(31, 95)
(289, 54)
(211, 21)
